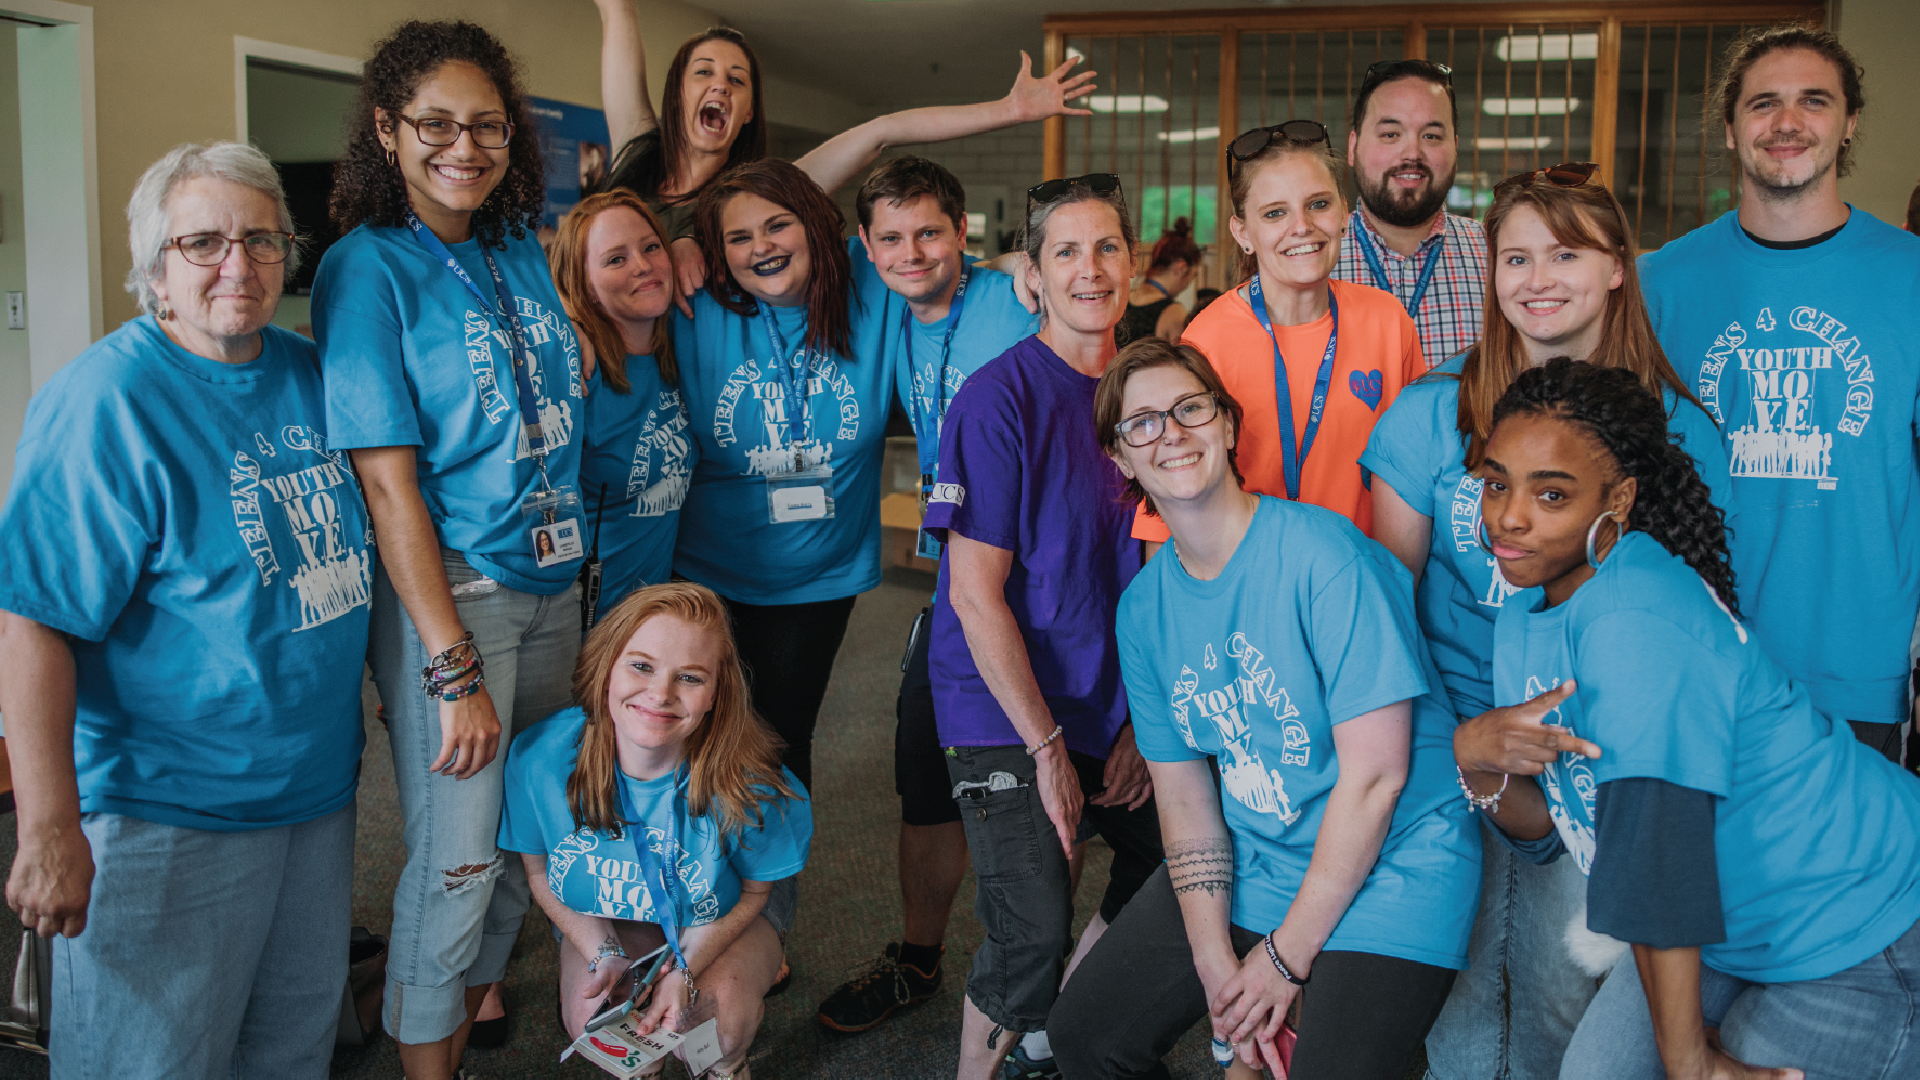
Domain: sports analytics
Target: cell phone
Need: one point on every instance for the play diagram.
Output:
(642, 984)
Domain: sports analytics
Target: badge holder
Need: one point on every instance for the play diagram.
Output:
(925, 546)
(552, 519)
(800, 496)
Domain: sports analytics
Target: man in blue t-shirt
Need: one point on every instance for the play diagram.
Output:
(946, 319)
(1803, 350)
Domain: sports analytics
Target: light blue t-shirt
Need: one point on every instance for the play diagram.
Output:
(1417, 448)
(1810, 359)
(597, 874)
(737, 406)
(1817, 837)
(992, 320)
(1309, 625)
(413, 359)
(186, 521)
(635, 465)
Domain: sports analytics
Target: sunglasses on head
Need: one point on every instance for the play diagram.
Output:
(1251, 144)
(1100, 183)
(1382, 70)
(1565, 174)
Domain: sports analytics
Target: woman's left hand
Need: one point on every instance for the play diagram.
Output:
(1036, 99)
(689, 271)
(669, 1003)
(1126, 778)
(605, 978)
(1254, 1003)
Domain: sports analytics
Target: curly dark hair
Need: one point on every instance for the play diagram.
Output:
(367, 190)
(782, 183)
(1673, 504)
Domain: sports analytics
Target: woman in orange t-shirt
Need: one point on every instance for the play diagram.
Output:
(1288, 215)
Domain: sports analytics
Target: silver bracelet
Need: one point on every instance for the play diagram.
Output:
(1489, 803)
(606, 950)
(1032, 750)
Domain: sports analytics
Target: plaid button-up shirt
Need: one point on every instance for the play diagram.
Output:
(1450, 313)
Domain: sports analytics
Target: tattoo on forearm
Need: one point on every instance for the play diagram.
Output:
(1201, 866)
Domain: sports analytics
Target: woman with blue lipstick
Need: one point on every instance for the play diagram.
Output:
(783, 367)
(1564, 283)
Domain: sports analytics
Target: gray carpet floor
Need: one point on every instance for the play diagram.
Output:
(849, 902)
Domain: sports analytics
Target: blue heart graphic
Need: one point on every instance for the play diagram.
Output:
(1366, 386)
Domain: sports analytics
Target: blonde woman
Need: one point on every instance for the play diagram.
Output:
(666, 748)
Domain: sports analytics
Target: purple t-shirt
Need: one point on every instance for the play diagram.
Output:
(1021, 469)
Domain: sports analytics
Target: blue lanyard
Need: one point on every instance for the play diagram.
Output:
(928, 416)
(523, 356)
(1380, 272)
(1292, 460)
(795, 402)
(659, 884)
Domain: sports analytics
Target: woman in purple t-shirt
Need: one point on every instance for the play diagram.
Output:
(1026, 671)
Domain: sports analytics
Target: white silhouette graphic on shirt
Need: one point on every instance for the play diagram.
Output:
(664, 432)
(1575, 833)
(335, 574)
(1776, 435)
(1243, 774)
(775, 454)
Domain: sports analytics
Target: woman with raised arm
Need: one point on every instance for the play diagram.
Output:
(614, 272)
(1274, 646)
(664, 750)
(1564, 283)
(1764, 865)
(453, 379)
(715, 119)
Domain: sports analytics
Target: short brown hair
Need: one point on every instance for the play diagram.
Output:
(907, 178)
(568, 256)
(1755, 44)
(1110, 395)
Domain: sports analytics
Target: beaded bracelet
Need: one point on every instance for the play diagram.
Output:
(1032, 750)
(463, 690)
(606, 950)
(1274, 955)
(1489, 803)
(452, 664)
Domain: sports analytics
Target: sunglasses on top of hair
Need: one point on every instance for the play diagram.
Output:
(1566, 174)
(1251, 144)
(1100, 183)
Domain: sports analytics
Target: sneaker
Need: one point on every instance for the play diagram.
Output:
(862, 1002)
(1019, 1066)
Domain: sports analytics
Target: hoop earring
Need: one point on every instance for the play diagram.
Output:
(391, 160)
(1480, 536)
(1593, 531)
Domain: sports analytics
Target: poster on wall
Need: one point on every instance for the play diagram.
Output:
(574, 144)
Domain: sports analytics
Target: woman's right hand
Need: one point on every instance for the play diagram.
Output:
(1059, 791)
(469, 735)
(1516, 739)
(690, 270)
(606, 977)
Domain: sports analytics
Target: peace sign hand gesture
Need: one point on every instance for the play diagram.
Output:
(1516, 739)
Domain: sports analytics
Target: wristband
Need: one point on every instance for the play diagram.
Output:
(466, 689)
(1489, 803)
(1032, 750)
(606, 950)
(1274, 955)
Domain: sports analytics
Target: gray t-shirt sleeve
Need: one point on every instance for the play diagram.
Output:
(1654, 879)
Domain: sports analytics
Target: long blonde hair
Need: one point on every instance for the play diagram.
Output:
(568, 257)
(733, 756)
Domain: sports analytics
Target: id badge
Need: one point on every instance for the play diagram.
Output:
(925, 546)
(701, 1047)
(800, 496)
(553, 526)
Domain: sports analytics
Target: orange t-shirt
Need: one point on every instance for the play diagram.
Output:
(1378, 353)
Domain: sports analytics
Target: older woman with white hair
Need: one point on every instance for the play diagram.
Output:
(183, 609)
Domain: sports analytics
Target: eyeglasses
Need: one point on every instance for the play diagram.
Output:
(1249, 145)
(1382, 70)
(434, 131)
(210, 249)
(1193, 411)
(1565, 174)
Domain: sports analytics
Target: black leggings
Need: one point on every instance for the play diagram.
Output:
(1363, 1018)
(788, 651)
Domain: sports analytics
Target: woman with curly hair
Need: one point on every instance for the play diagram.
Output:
(614, 271)
(1764, 865)
(453, 379)
(665, 743)
(1564, 282)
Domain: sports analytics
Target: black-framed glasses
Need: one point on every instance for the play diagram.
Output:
(1565, 174)
(439, 131)
(1381, 70)
(1145, 428)
(1248, 145)
(1100, 183)
(210, 249)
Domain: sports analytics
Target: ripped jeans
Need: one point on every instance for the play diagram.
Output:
(458, 907)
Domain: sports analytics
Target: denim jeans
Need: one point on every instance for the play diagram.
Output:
(1520, 929)
(452, 930)
(1854, 1025)
(206, 954)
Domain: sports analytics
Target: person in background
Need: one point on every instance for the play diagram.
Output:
(1564, 284)
(453, 379)
(1404, 147)
(954, 317)
(1771, 923)
(1332, 862)
(718, 120)
(1803, 351)
(1026, 679)
(665, 750)
(1201, 298)
(1313, 359)
(1152, 310)
(614, 272)
(182, 676)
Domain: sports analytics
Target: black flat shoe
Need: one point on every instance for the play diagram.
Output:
(488, 1034)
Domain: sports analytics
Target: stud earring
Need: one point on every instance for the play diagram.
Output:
(162, 312)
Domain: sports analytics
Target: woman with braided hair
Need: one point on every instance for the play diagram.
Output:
(1764, 866)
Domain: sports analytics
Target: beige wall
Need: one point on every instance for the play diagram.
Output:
(1883, 35)
(150, 96)
(15, 364)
